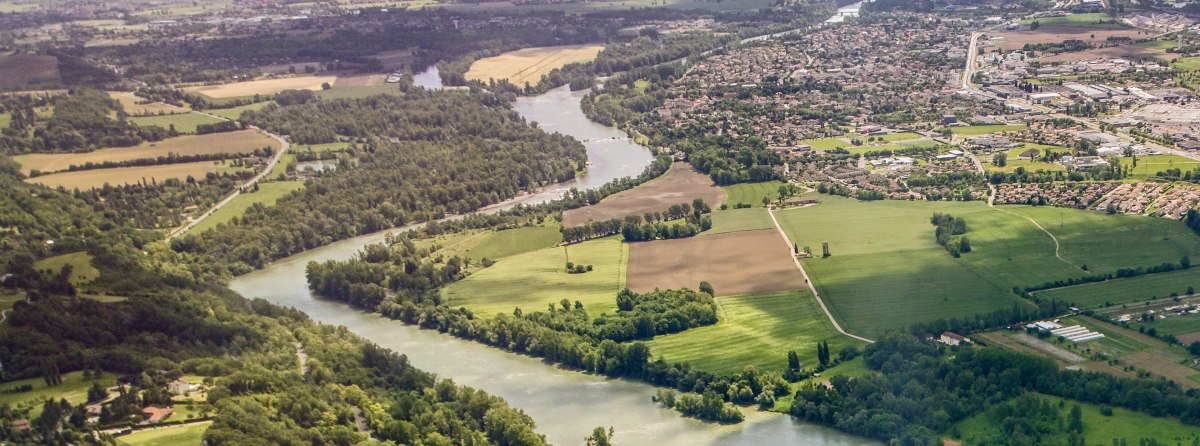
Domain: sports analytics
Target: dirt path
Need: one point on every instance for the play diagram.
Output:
(301, 358)
(809, 282)
(3, 316)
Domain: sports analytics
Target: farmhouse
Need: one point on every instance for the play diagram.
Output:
(802, 201)
(181, 387)
(950, 338)
(156, 414)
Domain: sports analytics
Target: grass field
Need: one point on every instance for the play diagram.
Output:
(281, 167)
(681, 184)
(534, 279)
(755, 330)
(985, 129)
(182, 435)
(82, 270)
(1123, 291)
(1147, 166)
(1089, 20)
(236, 112)
(73, 389)
(530, 64)
(263, 87)
(1014, 159)
(1097, 429)
(267, 195)
(1138, 350)
(1174, 325)
(89, 179)
(751, 193)
(241, 141)
(322, 148)
(5, 120)
(828, 143)
(511, 242)
(740, 220)
(183, 122)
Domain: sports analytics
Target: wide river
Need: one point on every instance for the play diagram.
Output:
(566, 404)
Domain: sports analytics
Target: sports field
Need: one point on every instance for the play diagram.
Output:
(751, 193)
(735, 263)
(534, 279)
(89, 179)
(182, 435)
(755, 330)
(241, 141)
(267, 195)
(236, 112)
(530, 64)
(681, 184)
(266, 86)
(82, 270)
(1123, 291)
(135, 105)
(183, 122)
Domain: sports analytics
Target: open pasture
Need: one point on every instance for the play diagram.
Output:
(1149, 165)
(95, 178)
(265, 86)
(681, 184)
(18, 71)
(751, 193)
(241, 141)
(82, 270)
(509, 242)
(181, 435)
(136, 106)
(183, 122)
(530, 64)
(733, 220)
(735, 263)
(534, 279)
(234, 113)
(755, 330)
(1015, 40)
(1125, 291)
(267, 195)
(73, 389)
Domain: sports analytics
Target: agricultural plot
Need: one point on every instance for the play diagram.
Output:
(234, 113)
(262, 87)
(182, 122)
(734, 220)
(18, 71)
(751, 193)
(530, 64)
(1112, 52)
(1015, 40)
(73, 389)
(321, 148)
(509, 242)
(241, 141)
(1141, 351)
(681, 184)
(1098, 429)
(182, 435)
(82, 270)
(735, 263)
(95, 178)
(360, 91)
(534, 279)
(755, 330)
(136, 106)
(829, 143)
(1125, 291)
(267, 195)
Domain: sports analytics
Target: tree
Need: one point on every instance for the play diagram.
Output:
(766, 200)
(1000, 160)
(600, 437)
(707, 288)
(96, 393)
(793, 360)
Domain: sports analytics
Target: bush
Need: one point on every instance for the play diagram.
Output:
(1106, 410)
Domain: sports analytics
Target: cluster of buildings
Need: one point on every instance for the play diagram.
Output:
(1076, 333)
(1079, 195)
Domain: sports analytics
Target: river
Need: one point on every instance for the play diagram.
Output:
(565, 404)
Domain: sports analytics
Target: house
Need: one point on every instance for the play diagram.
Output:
(949, 119)
(20, 425)
(156, 414)
(949, 338)
(802, 201)
(181, 387)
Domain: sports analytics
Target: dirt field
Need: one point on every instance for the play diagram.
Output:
(1112, 52)
(735, 263)
(129, 102)
(90, 179)
(242, 141)
(530, 64)
(365, 80)
(1189, 338)
(17, 71)
(1164, 367)
(681, 184)
(268, 86)
(1053, 33)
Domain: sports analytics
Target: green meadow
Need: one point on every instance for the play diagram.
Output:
(755, 330)
(510, 242)
(183, 435)
(1124, 291)
(236, 112)
(183, 122)
(267, 195)
(751, 193)
(73, 389)
(82, 270)
(1149, 165)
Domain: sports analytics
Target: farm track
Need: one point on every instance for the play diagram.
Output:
(809, 282)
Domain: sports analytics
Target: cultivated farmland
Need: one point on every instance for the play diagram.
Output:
(1015, 40)
(534, 279)
(530, 64)
(681, 184)
(183, 122)
(732, 220)
(94, 178)
(1123, 291)
(135, 105)
(735, 263)
(242, 141)
(266, 86)
(234, 113)
(755, 330)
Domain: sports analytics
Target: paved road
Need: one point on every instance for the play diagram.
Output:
(808, 282)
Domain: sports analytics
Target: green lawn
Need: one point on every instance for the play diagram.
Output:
(187, 434)
(1014, 161)
(73, 389)
(1089, 20)
(1123, 291)
(902, 136)
(1147, 166)
(81, 263)
(751, 193)
(534, 279)
(892, 146)
(755, 330)
(510, 242)
(236, 112)
(322, 148)
(732, 220)
(985, 129)
(853, 368)
(183, 122)
(267, 195)
(1097, 429)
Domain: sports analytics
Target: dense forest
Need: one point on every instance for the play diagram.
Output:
(426, 155)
